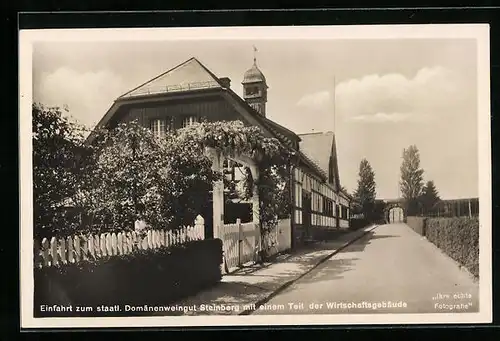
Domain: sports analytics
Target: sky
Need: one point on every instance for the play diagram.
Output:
(378, 96)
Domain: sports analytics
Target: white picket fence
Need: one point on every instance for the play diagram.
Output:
(76, 248)
(238, 243)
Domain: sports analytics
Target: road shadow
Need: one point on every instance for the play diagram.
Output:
(332, 235)
(300, 263)
(360, 244)
(248, 270)
(252, 283)
(334, 267)
(331, 270)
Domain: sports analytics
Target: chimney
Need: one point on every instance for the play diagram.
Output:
(226, 82)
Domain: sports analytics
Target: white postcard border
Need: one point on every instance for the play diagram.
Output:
(479, 32)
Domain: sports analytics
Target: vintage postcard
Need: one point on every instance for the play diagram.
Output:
(333, 175)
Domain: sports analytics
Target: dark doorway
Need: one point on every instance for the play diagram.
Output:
(306, 213)
(234, 211)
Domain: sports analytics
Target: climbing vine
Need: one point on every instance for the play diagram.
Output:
(128, 175)
(273, 161)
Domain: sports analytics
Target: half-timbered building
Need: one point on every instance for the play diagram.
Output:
(190, 92)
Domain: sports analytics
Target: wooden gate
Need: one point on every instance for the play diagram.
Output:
(239, 244)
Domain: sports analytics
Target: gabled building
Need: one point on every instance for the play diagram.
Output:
(190, 92)
(321, 192)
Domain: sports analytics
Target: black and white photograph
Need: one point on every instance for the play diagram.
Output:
(317, 175)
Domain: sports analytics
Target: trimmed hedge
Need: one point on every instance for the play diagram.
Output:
(458, 238)
(153, 277)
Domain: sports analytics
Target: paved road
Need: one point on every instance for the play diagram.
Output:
(391, 268)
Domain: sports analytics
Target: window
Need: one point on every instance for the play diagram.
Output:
(345, 212)
(234, 181)
(327, 207)
(253, 90)
(189, 120)
(341, 211)
(158, 127)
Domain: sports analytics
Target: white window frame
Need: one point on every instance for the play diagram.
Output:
(189, 120)
(158, 126)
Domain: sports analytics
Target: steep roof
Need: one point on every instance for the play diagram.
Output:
(189, 75)
(320, 147)
(192, 76)
(281, 133)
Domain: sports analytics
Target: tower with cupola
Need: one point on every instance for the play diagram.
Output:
(255, 88)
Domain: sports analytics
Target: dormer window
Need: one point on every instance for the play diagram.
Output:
(189, 120)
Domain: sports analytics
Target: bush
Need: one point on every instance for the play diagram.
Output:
(154, 277)
(458, 238)
(358, 223)
(57, 144)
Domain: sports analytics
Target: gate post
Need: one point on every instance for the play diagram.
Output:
(217, 192)
(199, 225)
(256, 211)
(240, 240)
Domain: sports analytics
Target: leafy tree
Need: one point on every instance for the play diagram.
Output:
(273, 162)
(186, 186)
(126, 174)
(429, 197)
(167, 182)
(274, 194)
(136, 176)
(365, 194)
(57, 143)
(126, 178)
(378, 210)
(411, 182)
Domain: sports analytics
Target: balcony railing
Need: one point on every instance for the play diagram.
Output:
(152, 90)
